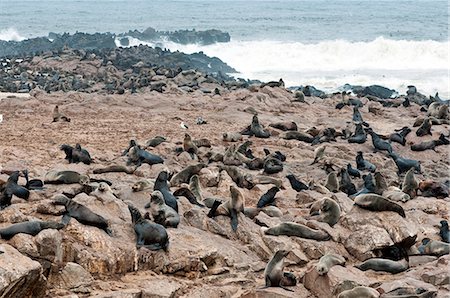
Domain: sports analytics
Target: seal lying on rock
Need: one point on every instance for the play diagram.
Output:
(328, 261)
(434, 247)
(385, 265)
(29, 227)
(161, 213)
(81, 213)
(376, 202)
(65, 177)
(296, 184)
(295, 229)
(268, 198)
(138, 156)
(150, 235)
(360, 292)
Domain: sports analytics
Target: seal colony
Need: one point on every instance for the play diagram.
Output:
(312, 187)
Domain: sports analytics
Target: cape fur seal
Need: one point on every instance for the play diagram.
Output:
(434, 247)
(239, 177)
(187, 193)
(189, 146)
(231, 207)
(360, 292)
(444, 232)
(232, 137)
(327, 210)
(319, 152)
(268, 198)
(378, 143)
(436, 189)
(138, 156)
(410, 184)
(273, 273)
(359, 136)
(257, 130)
(346, 184)
(374, 202)
(77, 154)
(82, 214)
(296, 184)
(58, 116)
(298, 135)
(142, 185)
(155, 141)
(284, 126)
(65, 177)
(385, 265)
(29, 227)
(163, 187)
(114, 168)
(353, 172)
(161, 213)
(425, 128)
(404, 164)
(297, 230)
(150, 235)
(328, 261)
(11, 188)
(185, 174)
(332, 182)
(362, 164)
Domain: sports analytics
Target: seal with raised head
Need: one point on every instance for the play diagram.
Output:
(360, 292)
(444, 232)
(319, 152)
(378, 143)
(77, 154)
(346, 185)
(362, 164)
(161, 213)
(380, 183)
(374, 202)
(425, 128)
(268, 198)
(81, 213)
(410, 184)
(150, 235)
(231, 207)
(296, 184)
(138, 156)
(163, 187)
(404, 164)
(273, 273)
(369, 186)
(142, 185)
(187, 193)
(189, 146)
(326, 210)
(11, 188)
(359, 136)
(385, 265)
(58, 116)
(185, 174)
(29, 227)
(353, 172)
(297, 230)
(257, 130)
(328, 261)
(332, 182)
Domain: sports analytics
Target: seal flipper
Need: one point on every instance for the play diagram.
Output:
(66, 219)
(214, 207)
(284, 288)
(234, 219)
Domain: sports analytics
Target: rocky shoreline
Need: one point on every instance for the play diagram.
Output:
(157, 98)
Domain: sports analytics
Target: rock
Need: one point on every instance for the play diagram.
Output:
(72, 277)
(298, 291)
(126, 293)
(337, 279)
(20, 276)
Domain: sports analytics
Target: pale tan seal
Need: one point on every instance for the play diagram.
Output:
(161, 213)
(328, 211)
(360, 292)
(410, 184)
(143, 185)
(332, 183)
(297, 230)
(273, 273)
(395, 194)
(328, 261)
(376, 202)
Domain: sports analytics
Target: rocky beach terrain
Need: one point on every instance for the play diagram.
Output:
(239, 141)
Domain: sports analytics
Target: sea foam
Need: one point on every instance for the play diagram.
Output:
(10, 34)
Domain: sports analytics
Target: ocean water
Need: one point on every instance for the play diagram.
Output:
(325, 43)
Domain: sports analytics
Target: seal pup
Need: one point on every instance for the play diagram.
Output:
(296, 184)
(362, 164)
(332, 182)
(425, 128)
(65, 177)
(268, 198)
(326, 210)
(161, 213)
(297, 230)
(444, 232)
(29, 227)
(189, 146)
(436, 189)
(410, 184)
(353, 172)
(185, 174)
(374, 202)
(328, 261)
(346, 184)
(257, 130)
(273, 273)
(319, 152)
(58, 116)
(163, 187)
(150, 235)
(155, 141)
(142, 185)
(434, 247)
(231, 137)
(81, 213)
(232, 207)
(360, 292)
(385, 265)
(395, 194)
(378, 143)
(404, 164)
